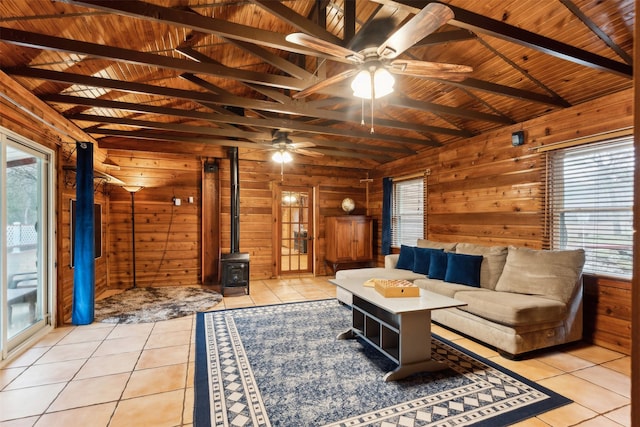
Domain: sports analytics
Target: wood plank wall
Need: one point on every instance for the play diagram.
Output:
(259, 182)
(484, 190)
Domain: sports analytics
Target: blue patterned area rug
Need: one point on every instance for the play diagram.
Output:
(282, 365)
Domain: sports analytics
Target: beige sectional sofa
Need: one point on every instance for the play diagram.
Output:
(518, 299)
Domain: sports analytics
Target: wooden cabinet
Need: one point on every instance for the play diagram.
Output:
(349, 240)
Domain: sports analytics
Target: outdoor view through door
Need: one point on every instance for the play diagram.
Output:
(26, 264)
(295, 235)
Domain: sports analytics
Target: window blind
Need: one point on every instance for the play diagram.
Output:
(591, 204)
(407, 217)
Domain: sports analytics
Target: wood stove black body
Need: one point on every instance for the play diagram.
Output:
(235, 271)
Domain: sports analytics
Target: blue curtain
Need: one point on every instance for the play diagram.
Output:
(82, 311)
(387, 192)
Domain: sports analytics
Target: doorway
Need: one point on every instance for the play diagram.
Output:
(26, 216)
(296, 230)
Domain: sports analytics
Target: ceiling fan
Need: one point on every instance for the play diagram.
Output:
(283, 146)
(375, 64)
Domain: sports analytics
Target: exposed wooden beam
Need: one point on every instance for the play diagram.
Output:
(290, 108)
(231, 133)
(187, 19)
(349, 27)
(273, 123)
(484, 25)
(41, 41)
(512, 92)
(597, 31)
(446, 37)
(403, 101)
(154, 136)
(297, 21)
(259, 52)
(27, 102)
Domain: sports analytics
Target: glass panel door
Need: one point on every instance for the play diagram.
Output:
(24, 245)
(295, 235)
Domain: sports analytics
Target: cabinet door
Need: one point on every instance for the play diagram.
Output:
(344, 239)
(362, 239)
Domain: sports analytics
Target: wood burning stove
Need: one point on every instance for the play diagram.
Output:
(235, 271)
(234, 266)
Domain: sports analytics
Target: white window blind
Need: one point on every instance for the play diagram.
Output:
(591, 204)
(407, 216)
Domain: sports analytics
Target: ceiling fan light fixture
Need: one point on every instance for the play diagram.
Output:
(383, 82)
(281, 156)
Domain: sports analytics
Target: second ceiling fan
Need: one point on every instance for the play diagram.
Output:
(375, 64)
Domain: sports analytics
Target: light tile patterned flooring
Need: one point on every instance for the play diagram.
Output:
(142, 375)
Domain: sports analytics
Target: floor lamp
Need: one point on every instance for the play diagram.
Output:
(133, 189)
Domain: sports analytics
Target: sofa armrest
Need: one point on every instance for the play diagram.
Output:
(391, 260)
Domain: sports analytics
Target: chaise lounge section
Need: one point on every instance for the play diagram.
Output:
(518, 299)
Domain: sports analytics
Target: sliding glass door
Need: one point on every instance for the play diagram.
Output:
(26, 220)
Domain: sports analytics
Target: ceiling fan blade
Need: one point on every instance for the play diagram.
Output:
(324, 47)
(428, 20)
(309, 153)
(325, 83)
(430, 69)
(302, 144)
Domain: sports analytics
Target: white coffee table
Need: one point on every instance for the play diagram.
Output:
(400, 328)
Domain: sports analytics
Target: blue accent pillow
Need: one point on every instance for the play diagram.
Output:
(422, 259)
(405, 260)
(438, 265)
(463, 269)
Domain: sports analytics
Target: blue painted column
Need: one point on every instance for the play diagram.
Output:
(84, 255)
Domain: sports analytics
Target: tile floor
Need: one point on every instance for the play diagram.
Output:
(142, 375)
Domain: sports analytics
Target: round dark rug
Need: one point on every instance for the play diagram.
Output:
(143, 305)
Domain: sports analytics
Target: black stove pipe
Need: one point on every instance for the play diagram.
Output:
(235, 199)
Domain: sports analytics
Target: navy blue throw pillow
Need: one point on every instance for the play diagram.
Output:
(422, 259)
(405, 260)
(438, 265)
(463, 269)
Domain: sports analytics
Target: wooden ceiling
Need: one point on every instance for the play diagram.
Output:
(191, 76)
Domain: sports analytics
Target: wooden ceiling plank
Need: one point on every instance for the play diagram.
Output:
(197, 56)
(291, 108)
(232, 119)
(524, 72)
(492, 27)
(261, 53)
(597, 31)
(27, 102)
(297, 21)
(446, 37)
(403, 101)
(512, 92)
(183, 18)
(41, 41)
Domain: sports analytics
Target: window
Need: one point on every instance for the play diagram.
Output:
(591, 204)
(407, 216)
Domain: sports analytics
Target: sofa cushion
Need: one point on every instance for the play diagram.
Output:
(424, 243)
(512, 309)
(438, 265)
(493, 261)
(365, 274)
(553, 274)
(422, 259)
(405, 260)
(445, 288)
(463, 269)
